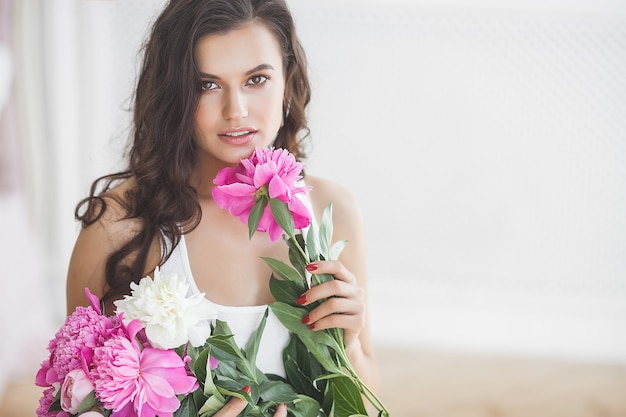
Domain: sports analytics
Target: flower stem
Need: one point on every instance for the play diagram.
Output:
(300, 249)
(365, 390)
(345, 362)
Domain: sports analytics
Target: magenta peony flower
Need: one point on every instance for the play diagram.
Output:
(45, 402)
(72, 346)
(268, 173)
(213, 363)
(133, 381)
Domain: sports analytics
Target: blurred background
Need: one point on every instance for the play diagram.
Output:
(486, 141)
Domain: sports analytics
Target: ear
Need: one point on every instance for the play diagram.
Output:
(286, 108)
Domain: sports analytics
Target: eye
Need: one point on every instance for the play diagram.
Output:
(206, 85)
(257, 80)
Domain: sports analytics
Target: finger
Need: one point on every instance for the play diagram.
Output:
(332, 289)
(233, 407)
(338, 312)
(281, 410)
(335, 268)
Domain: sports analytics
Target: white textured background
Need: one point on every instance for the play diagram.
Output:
(488, 147)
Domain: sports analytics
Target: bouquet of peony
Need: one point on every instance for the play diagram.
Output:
(163, 354)
(262, 191)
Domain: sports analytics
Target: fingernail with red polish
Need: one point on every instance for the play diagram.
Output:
(311, 267)
(311, 326)
(306, 319)
(247, 389)
(301, 300)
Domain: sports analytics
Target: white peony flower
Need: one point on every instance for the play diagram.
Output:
(170, 316)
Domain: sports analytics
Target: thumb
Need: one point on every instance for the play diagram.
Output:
(233, 407)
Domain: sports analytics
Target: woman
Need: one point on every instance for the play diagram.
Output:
(219, 78)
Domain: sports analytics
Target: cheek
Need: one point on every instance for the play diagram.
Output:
(273, 109)
(203, 120)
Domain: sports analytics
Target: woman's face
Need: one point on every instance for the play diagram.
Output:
(243, 86)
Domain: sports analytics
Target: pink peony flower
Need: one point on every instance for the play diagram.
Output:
(213, 363)
(45, 402)
(133, 381)
(72, 346)
(268, 173)
(76, 387)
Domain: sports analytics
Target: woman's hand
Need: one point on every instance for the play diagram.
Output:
(236, 405)
(345, 305)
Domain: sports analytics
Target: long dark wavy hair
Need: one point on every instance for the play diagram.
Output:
(162, 152)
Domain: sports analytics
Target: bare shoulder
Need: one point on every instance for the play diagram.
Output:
(346, 209)
(324, 191)
(347, 220)
(113, 227)
(95, 243)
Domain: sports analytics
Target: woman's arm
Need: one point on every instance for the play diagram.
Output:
(93, 247)
(348, 308)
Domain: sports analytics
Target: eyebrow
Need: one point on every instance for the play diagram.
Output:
(249, 72)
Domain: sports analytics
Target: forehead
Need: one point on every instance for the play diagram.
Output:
(238, 50)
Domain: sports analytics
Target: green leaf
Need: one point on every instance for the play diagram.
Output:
(56, 404)
(211, 406)
(335, 251)
(277, 391)
(326, 231)
(347, 398)
(305, 407)
(228, 370)
(88, 403)
(199, 397)
(282, 215)
(283, 291)
(283, 270)
(224, 348)
(311, 245)
(252, 347)
(317, 342)
(300, 380)
(199, 366)
(209, 385)
(319, 278)
(221, 329)
(235, 389)
(187, 407)
(305, 361)
(302, 369)
(329, 401)
(295, 255)
(255, 216)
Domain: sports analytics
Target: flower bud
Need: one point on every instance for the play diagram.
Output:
(76, 387)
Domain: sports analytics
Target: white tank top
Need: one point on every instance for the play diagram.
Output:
(242, 320)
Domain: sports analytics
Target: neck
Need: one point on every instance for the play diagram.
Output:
(206, 170)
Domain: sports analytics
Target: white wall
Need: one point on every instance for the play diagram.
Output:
(485, 141)
(489, 154)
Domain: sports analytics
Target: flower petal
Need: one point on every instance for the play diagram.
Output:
(278, 189)
(225, 176)
(264, 173)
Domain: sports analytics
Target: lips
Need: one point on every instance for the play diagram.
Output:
(237, 136)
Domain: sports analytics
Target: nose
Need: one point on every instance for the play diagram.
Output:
(235, 106)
